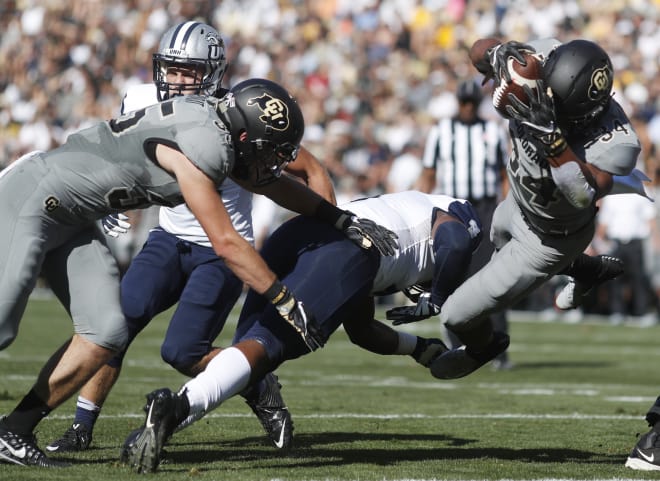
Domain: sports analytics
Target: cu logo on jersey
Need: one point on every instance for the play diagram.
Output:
(51, 203)
(275, 112)
(600, 83)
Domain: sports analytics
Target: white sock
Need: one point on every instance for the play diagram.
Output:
(407, 343)
(226, 375)
(85, 403)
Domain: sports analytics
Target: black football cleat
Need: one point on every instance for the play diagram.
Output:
(23, 450)
(269, 407)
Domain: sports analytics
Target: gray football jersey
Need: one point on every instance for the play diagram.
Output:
(111, 166)
(610, 144)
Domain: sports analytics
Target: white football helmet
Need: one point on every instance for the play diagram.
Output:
(190, 43)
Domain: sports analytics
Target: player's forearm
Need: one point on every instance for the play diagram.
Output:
(309, 169)
(580, 182)
(245, 262)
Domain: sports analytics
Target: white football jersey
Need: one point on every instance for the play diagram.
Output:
(179, 220)
(410, 215)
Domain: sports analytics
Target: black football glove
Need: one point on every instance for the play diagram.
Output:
(293, 312)
(367, 234)
(407, 314)
(499, 54)
(538, 115)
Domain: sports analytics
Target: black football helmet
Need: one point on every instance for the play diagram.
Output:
(192, 44)
(580, 75)
(266, 126)
(469, 91)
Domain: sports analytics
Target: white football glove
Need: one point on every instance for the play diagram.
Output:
(115, 224)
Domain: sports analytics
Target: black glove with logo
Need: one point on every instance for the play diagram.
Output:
(293, 312)
(499, 55)
(538, 115)
(366, 233)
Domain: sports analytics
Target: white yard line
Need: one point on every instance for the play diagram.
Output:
(514, 416)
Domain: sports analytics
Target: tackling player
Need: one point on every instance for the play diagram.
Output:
(437, 235)
(177, 263)
(177, 151)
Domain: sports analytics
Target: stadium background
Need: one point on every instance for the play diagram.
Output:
(372, 76)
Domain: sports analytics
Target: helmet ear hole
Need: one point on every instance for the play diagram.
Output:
(242, 136)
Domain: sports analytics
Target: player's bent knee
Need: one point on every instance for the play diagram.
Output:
(112, 334)
(182, 356)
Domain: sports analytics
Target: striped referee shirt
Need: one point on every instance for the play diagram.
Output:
(468, 158)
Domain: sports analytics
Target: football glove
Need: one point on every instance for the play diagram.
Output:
(407, 314)
(367, 234)
(498, 56)
(115, 224)
(293, 312)
(539, 118)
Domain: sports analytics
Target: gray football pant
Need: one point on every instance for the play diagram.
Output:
(74, 260)
(522, 262)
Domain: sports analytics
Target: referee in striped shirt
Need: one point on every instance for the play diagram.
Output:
(465, 157)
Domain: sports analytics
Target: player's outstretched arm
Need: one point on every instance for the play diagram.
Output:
(309, 169)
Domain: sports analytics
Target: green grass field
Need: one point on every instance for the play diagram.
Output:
(570, 409)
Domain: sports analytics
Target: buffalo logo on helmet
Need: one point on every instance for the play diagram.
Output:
(216, 45)
(275, 112)
(600, 83)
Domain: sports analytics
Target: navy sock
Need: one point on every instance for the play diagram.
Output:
(86, 413)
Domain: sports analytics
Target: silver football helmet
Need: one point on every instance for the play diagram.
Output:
(192, 44)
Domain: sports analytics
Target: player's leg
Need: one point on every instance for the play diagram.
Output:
(377, 337)
(269, 341)
(587, 272)
(85, 278)
(208, 297)
(151, 284)
(522, 263)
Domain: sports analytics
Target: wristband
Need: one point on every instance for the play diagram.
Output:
(276, 292)
(331, 214)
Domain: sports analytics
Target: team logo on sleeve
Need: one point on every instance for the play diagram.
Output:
(274, 112)
(51, 203)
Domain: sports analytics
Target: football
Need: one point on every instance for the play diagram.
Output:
(521, 75)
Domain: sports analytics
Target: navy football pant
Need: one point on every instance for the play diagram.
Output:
(169, 270)
(325, 270)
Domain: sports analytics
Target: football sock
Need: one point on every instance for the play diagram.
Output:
(29, 412)
(86, 413)
(226, 374)
(407, 343)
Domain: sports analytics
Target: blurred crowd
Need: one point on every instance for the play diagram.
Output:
(372, 76)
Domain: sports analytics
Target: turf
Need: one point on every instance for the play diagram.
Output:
(570, 409)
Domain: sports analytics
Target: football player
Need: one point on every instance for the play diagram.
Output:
(177, 263)
(437, 235)
(569, 141)
(180, 150)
